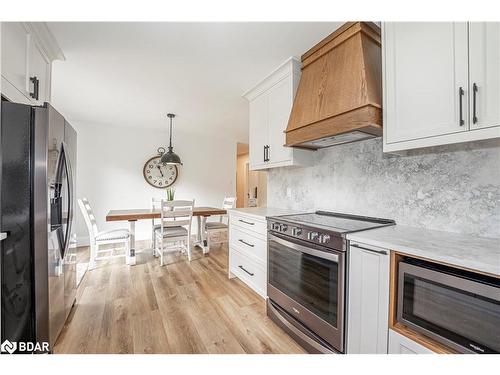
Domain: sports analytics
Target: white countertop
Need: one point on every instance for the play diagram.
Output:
(476, 253)
(263, 212)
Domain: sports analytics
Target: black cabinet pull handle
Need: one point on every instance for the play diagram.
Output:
(266, 153)
(460, 96)
(243, 268)
(246, 243)
(474, 92)
(36, 83)
(246, 222)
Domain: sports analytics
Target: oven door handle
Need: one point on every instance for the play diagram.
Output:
(307, 250)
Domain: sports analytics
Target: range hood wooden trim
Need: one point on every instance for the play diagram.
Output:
(344, 123)
(339, 36)
(340, 89)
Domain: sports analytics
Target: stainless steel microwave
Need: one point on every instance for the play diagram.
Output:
(458, 308)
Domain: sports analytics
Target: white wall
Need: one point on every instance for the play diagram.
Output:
(109, 171)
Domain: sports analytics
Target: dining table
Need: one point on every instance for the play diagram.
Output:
(133, 215)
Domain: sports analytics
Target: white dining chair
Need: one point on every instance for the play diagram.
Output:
(216, 232)
(174, 232)
(100, 238)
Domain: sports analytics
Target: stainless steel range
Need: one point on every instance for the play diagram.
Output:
(307, 275)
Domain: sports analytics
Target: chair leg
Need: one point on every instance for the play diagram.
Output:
(161, 254)
(93, 255)
(153, 240)
(188, 247)
(209, 243)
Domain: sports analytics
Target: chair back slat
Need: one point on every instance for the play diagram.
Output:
(88, 216)
(228, 203)
(176, 213)
(155, 205)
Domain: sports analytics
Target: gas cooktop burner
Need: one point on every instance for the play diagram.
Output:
(322, 227)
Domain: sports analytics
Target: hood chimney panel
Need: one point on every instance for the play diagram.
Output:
(340, 88)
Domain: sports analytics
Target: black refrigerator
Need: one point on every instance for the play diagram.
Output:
(38, 254)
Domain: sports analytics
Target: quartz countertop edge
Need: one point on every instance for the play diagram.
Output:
(262, 212)
(467, 251)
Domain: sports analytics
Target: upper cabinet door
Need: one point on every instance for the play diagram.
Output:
(39, 69)
(426, 80)
(280, 98)
(484, 60)
(14, 56)
(258, 131)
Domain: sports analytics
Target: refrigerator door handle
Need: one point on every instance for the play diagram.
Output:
(69, 173)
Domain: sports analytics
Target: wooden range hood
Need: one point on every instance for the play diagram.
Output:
(339, 95)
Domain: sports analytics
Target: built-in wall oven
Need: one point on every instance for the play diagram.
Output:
(458, 308)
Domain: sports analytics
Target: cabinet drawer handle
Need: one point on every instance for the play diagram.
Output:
(246, 222)
(372, 250)
(474, 94)
(243, 268)
(460, 96)
(246, 243)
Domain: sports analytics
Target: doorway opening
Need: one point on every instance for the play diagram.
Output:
(251, 186)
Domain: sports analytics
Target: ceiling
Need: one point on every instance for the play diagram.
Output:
(133, 74)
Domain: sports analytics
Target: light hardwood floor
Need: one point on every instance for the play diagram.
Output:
(179, 308)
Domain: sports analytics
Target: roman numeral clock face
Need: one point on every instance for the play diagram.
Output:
(159, 175)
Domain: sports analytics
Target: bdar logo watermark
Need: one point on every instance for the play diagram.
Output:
(8, 347)
(24, 347)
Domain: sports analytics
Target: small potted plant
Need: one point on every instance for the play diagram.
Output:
(170, 194)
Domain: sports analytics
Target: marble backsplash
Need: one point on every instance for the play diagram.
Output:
(453, 188)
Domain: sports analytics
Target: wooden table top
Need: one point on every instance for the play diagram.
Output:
(148, 213)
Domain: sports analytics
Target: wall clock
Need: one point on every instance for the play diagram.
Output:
(157, 174)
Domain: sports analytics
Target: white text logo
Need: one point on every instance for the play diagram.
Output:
(9, 347)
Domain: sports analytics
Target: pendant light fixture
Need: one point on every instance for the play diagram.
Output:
(170, 157)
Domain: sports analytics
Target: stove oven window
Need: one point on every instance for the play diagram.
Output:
(309, 280)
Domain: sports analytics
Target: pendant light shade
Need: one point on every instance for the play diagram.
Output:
(170, 157)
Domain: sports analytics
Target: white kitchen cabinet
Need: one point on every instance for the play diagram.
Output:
(28, 49)
(484, 68)
(258, 135)
(428, 89)
(399, 344)
(368, 299)
(39, 70)
(14, 62)
(270, 104)
(248, 250)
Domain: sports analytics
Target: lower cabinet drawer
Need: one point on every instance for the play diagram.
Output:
(249, 271)
(248, 223)
(248, 244)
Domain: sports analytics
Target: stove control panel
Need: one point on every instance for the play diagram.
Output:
(320, 237)
(302, 233)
